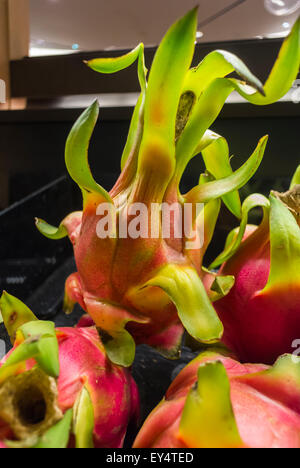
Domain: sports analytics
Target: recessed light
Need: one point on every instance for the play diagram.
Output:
(199, 34)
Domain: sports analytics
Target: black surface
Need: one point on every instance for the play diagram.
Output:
(26, 257)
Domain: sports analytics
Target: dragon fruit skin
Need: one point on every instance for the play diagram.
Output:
(147, 290)
(112, 390)
(84, 367)
(260, 314)
(232, 406)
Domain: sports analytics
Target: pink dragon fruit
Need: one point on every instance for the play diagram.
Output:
(58, 388)
(261, 314)
(216, 402)
(145, 288)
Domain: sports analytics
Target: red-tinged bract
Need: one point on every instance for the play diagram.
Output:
(63, 390)
(141, 283)
(261, 314)
(216, 402)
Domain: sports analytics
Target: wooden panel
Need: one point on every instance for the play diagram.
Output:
(19, 37)
(19, 31)
(14, 44)
(4, 53)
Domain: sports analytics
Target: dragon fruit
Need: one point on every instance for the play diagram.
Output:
(216, 402)
(58, 388)
(146, 288)
(261, 313)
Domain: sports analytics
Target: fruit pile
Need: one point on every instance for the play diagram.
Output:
(141, 279)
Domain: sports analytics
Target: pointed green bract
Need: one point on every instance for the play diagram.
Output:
(231, 237)
(221, 287)
(135, 131)
(206, 223)
(116, 64)
(219, 64)
(47, 359)
(284, 72)
(218, 188)
(241, 69)
(40, 344)
(170, 65)
(113, 65)
(67, 226)
(285, 372)
(83, 420)
(285, 246)
(286, 366)
(76, 154)
(187, 292)
(119, 346)
(15, 314)
(29, 349)
(215, 152)
(296, 178)
(217, 162)
(58, 436)
(51, 232)
(204, 113)
(216, 90)
(200, 80)
(208, 419)
(232, 247)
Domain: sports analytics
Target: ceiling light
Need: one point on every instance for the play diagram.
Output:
(199, 34)
(286, 25)
(282, 7)
(75, 47)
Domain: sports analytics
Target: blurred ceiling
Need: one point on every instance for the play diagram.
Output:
(63, 26)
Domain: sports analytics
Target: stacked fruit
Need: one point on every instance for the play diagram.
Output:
(141, 279)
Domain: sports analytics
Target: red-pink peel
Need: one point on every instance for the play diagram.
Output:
(261, 313)
(251, 406)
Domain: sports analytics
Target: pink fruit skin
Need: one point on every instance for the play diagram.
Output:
(112, 271)
(264, 408)
(259, 326)
(113, 391)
